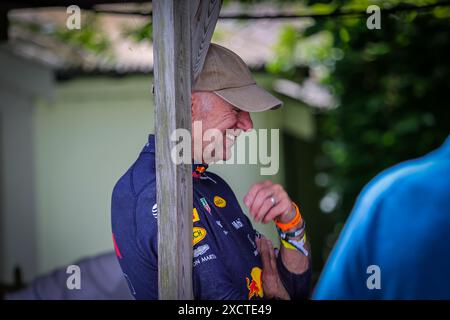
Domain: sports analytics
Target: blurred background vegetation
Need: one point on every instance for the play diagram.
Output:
(391, 86)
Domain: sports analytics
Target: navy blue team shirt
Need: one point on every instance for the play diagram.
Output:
(226, 263)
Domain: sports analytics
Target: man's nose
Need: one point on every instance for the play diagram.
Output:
(245, 121)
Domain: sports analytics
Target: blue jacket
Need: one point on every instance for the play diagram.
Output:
(397, 235)
(226, 263)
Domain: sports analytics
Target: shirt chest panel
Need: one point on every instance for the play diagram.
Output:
(228, 230)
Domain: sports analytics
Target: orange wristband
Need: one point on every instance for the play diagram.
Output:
(293, 222)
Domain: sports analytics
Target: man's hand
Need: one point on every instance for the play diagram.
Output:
(272, 286)
(267, 201)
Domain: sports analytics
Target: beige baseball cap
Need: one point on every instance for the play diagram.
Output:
(227, 75)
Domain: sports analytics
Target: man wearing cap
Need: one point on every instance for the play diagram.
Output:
(231, 260)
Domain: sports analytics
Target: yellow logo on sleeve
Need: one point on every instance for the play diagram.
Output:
(220, 202)
(195, 216)
(198, 235)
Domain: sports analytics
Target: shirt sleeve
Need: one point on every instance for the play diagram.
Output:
(297, 285)
(395, 243)
(345, 273)
(135, 239)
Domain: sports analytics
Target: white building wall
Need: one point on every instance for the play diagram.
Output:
(22, 82)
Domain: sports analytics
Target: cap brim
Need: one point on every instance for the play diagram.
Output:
(251, 98)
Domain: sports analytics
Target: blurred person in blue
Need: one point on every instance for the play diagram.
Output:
(396, 242)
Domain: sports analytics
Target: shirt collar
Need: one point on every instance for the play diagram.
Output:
(150, 145)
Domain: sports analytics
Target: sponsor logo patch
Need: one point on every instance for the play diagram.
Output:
(198, 235)
(220, 202)
(207, 258)
(237, 224)
(155, 211)
(200, 250)
(205, 205)
(254, 286)
(195, 216)
(220, 225)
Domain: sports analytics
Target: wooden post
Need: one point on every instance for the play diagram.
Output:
(204, 15)
(175, 23)
(172, 71)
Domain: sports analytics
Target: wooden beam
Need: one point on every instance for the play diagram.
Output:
(84, 4)
(204, 15)
(172, 71)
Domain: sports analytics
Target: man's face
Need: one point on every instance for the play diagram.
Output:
(216, 113)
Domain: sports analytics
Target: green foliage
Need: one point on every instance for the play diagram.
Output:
(90, 37)
(141, 33)
(392, 86)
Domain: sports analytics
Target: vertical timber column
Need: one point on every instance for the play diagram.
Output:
(172, 72)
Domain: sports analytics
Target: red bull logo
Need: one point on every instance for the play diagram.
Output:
(198, 171)
(255, 287)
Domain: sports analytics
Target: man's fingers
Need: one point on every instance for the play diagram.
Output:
(250, 196)
(273, 263)
(262, 203)
(279, 209)
(265, 254)
(265, 207)
(259, 245)
(269, 211)
(270, 278)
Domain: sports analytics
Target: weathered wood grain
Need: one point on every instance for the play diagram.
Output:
(182, 32)
(172, 72)
(204, 15)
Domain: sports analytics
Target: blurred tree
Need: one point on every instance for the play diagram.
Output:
(90, 37)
